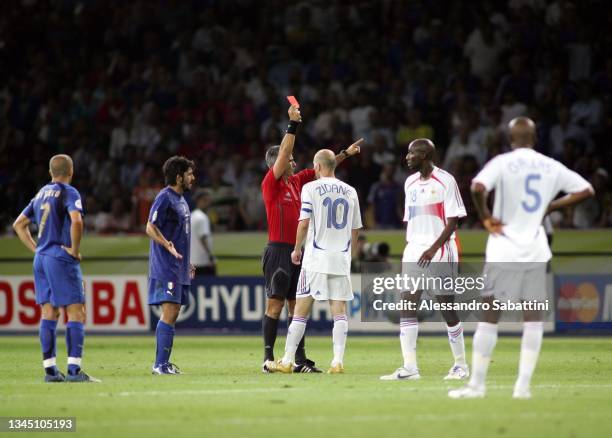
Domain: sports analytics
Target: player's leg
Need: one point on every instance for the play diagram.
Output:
(164, 334)
(170, 296)
(459, 370)
(75, 341)
(339, 334)
(409, 332)
(531, 342)
(47, 334)
(534, 287)
(295, 333)
(483, 345)
(48, 323)
(67, 291)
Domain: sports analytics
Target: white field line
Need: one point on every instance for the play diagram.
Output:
(389, 386)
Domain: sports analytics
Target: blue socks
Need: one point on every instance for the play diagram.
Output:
(75, 337)
(47, 344)
(165, 335)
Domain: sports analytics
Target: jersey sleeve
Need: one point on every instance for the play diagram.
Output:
(356, 223)
(72, 200)
(453, 204)
(159, 210)
(306, 207)
(569, 181)
(406, 207)
(269, 186)
(29, 211)
(489, 175)
(305, 176)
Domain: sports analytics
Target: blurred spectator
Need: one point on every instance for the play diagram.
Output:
(413, 129)
(201, 248)
(117, 221)
(211, 84)
(566, 129)
(385, 198)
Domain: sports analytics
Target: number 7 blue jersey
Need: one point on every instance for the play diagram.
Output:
(50, 210)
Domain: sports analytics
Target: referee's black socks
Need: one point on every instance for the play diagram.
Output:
(269, 327)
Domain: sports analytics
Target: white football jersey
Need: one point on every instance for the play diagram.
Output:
(525, 182)
(333, 209)
(428, 203)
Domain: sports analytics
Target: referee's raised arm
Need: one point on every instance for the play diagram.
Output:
(286, 147)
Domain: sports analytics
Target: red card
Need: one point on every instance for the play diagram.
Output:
(293, 101)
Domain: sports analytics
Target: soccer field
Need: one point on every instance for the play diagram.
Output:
(223, 392)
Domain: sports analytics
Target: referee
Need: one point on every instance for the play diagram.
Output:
(281, 190)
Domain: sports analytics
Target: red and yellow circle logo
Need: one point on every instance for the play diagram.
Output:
(578, 303)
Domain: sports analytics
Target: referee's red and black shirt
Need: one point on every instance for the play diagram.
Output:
(283, 202)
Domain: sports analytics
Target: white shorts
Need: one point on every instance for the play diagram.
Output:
(515, 285)
(447, 253)
(324, 287)
(444, 264)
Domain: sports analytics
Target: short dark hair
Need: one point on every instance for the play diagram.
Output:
(176, 166)
(272, 155)
(200, 193)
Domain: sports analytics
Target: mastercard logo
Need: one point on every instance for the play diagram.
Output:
(578, 303)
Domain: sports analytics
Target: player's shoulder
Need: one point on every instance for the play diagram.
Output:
(164, 194)
(71, 190)
(446, 178)
(412, 178)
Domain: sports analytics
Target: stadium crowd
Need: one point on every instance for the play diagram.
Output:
(121, 86)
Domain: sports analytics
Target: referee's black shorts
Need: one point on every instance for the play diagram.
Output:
(281, 275)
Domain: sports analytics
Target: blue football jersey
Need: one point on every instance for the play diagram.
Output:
(170, 214)
(50, 210)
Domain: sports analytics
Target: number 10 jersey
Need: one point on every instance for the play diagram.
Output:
(333, 209)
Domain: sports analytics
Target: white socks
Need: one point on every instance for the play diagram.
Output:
(409, 330)
(530, 350)
(339, 333)
(455, 339)
(294, 336)
(485, 339)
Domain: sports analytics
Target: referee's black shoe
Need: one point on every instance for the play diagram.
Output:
(308, 366)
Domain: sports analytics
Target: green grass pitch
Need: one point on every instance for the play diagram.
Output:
(224, 394)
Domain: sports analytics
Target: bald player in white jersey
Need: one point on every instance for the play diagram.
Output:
(526, 184)
(329, 221)
(433, 207)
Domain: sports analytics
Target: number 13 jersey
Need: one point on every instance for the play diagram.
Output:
(525, 182)
(333, 209)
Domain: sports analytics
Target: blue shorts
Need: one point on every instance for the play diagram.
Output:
(58, 282)
(167, 292)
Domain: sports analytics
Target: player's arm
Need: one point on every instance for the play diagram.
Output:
(353, 149)
(354, 236)
(157, 236)
(23, 232)
(570, 199)
(205, 244)
(286, 146)
(302, 230)
(76, 234)
(479, 197)
(451, 226)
